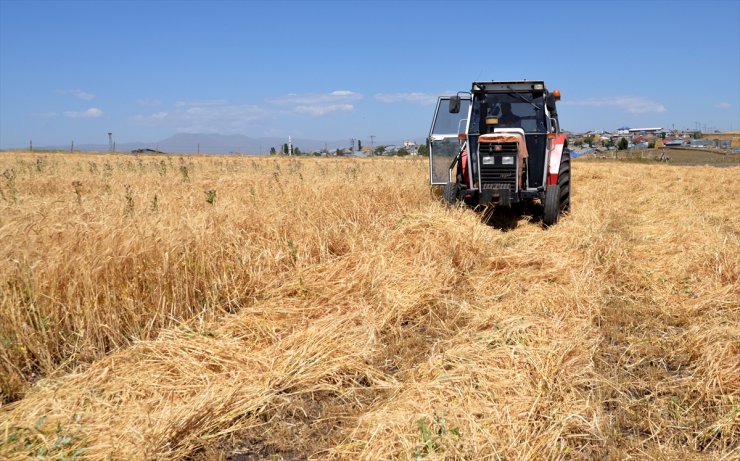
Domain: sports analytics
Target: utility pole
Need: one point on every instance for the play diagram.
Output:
(30, 145)
(198, 148)
(110, 142)
(290, 145)
(72, 148)
(372, 144)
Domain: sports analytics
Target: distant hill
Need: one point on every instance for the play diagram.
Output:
(223, 144)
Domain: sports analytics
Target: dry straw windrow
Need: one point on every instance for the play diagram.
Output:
(207, 307)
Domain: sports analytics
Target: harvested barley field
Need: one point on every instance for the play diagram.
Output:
(273, 308)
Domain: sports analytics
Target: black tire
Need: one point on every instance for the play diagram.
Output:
(518, 208)
(450, 193)
(564, 182)
(552, 205)
(557, 196)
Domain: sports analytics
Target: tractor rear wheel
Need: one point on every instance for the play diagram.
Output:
(450, 193)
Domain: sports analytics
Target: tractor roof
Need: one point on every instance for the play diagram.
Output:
(517, 86)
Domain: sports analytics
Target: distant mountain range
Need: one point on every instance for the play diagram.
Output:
(223, 144)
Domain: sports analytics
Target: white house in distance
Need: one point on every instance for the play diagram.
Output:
(411, 147)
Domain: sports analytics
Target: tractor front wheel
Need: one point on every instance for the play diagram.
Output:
(557, 196)
(552, 205)
(450, 193)
(564, 182)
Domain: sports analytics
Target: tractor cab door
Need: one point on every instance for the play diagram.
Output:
(443, 141)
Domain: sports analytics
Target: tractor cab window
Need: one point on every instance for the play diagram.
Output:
(508, 110)
(444, 144)
(446, 123)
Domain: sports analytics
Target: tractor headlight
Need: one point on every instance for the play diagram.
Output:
(507, 160)
(487, 160)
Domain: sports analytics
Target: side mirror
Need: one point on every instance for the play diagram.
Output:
(550, 101)
(454, 104)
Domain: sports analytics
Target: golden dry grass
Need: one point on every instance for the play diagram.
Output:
(335, 309)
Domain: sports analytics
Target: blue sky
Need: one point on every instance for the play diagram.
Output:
(145, 70)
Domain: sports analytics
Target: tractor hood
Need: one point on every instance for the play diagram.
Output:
(510, 135)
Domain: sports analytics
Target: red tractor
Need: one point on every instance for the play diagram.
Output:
(500, 145)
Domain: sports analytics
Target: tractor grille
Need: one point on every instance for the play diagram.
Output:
(490, 148)
(497, 175)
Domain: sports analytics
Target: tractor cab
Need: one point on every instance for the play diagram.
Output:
(498, 144)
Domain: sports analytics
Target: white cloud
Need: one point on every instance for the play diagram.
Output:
(723, 105)
(205, 116)
(148, 102)
(413, 98)
(199, 111)
(79, 94)
(220, 116)
(204, 102)
(632, 104)
(83, 95)
(318, 104)
(225, 119)
(243, 113)
(318, 110)
(93, 112)
(147, 119)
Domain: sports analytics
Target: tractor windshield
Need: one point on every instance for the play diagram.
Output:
(511, 110)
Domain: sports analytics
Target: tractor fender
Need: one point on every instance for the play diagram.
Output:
(555, 153)
(465, 166)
